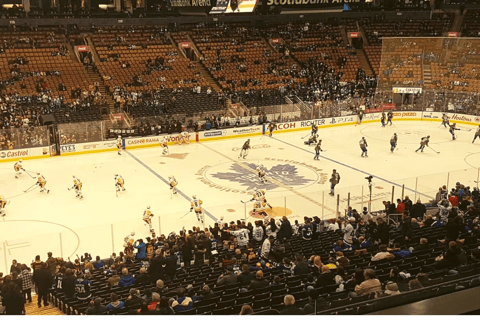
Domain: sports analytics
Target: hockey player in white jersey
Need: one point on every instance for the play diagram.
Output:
(77, 186)
(119, 144)
(18, 167)
(261, 173)
(196, 205)
(260, 202)
(445, 120)
(3, 203)
(173, 184)
(164, 146)
(119, 183)
(147, 218)
(363, 145)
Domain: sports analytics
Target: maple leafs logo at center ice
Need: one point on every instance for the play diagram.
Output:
(284, 173)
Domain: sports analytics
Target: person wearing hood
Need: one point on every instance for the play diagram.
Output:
(183, 303)
(126, 279)
(134, 300)
(116, 304)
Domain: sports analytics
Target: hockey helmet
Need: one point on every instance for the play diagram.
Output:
(119, 136)
(194, 197)
(38, 173)
(255, 189)
(20, 160)
(148, 207)
(428, 136)
(74, 177)
(132, 233)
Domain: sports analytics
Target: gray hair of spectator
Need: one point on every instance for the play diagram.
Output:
(155, 297)
(370, 273)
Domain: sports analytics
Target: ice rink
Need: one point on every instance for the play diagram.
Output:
(36, 223)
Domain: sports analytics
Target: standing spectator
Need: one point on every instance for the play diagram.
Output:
(382, 233)
(13, 300)
(290, 308)
(285, 231)
(43, 281)
(400, 206)
(51, 263)
(37, 264)
(418, 210)
(140, 246)
(267, 247)
(27, 283)
(68, 284)
(408, 204)
(15, 267)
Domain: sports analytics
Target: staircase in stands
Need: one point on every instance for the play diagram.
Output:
(427, 74)
(362, 58)
(32, 308)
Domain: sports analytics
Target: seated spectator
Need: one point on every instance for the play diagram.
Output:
(96, 307)
(423, 278)
(317, 264)
(126, 279)
(325, 278)
(383, 254)
(99, 263)
(414, 284)
(246, 309)
(229, 278)
(134, 300)
(428, 221)
(276, 283)
(163, 308)
(115, 304)
(184, 302)
(475, 255)
(391, 289)
(301, 267)
(246, 276)
(68, 284)
(143, 277)
(423, 245)
(114, 279)
(155, 300)
(341, 276)
(258, 282)
(453, 257)
(290, 308)
(371, 284)
(160, 287)
(341, 259)
(310, 282)
(143, 309)
(207, 293)
(315, 303)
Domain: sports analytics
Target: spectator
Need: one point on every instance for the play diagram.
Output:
(414, 284)
(301, 267)
(229, 278)
(267, 247)
(382, 233)
(285, 231)
(183, 303)
(114, 279)
(369, 285)
(140, 246)
(207, 293)
(341, 259)
(246, 276)
(315, 303)
(126, 279)
(115, 304)
(391, 289)
(454, 227)
(68, 284)
(99, 263)
(290, 308)
(160, 287)
(246, 309)
(325, 278)
(15, 267)
(155, 300)
(163, 308)
(143, 277)
(408, 204)
(134, 300)
(418, 210)
(96, 307)
(51, 263)
(383, 254)
(43, 281)
(27, 283)
(259, 282)
(143, 309)
(13, 300)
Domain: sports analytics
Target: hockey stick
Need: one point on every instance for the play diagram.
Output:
(184, 215)
(306, 136)
(29, 174)
(434, 150)
(30, 187)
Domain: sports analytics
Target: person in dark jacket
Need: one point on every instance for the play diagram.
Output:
(15, 267)
(134, 300)
(43, 281)
(382, 233)
(156, 269)
(290, 308)
(285, 231)
(246, 276)
(96, 307)
(258, 282)
(126, 279)
(68, 284)
(143, 277)
(13, 300)
(454, 227)
(187, 254)
(171, 265)
(315, 303)
(301, 267)
(229, 278)
(406, 227)
(325, 278)
(418, 210)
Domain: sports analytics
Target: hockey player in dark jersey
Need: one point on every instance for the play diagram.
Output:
(393, 142)
(312, 139)
(363, 145)
(477, 134)
(423, 143)
(245, 148)
(452, 130)
(272, 126)
(382, 119)
(314, 129)
(390, 117)
(318, 148)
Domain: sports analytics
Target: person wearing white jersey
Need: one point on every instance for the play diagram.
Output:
(147, 218)
(196, 204)
(242, 237)
(119, 144)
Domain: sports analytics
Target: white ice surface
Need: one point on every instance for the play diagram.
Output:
(37, 223)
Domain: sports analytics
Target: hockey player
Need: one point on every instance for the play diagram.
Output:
(260, 201)
(147, 218)
(173, 184)
(119, 144)
(318, 148)
(382, 120)
(314, 129)
(477, 134)
(164, 145)
(245, 148)
(452, 130)
(184, 138)
(261, 173)
(77, 186)
(360, 116)
(393, 142)
(363, 146)
(17, 167)
(423, 143)
(272, 126)
(119, 183)
(334, 180)
(390, 117)
(312, 139)
(3, 203)
(196, 205)
(42, 182)
(445, 120)
(129, 240)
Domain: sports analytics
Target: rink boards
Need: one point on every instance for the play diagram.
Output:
(145, 142)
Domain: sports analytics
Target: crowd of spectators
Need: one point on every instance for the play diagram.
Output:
(262, 257)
